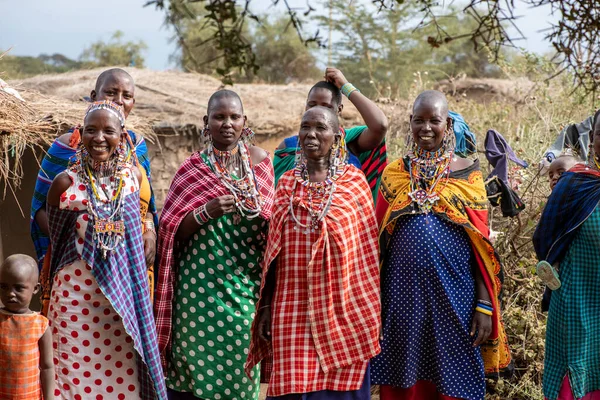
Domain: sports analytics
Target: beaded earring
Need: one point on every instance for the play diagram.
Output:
(247, 135)
(205, 137)
(593, 157)
(205, 132)
(334, 155)
(449, 138)
(299, 156)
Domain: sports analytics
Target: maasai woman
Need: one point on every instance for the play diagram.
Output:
(568, 238)
(439, 279)
(212, 235)
(117, 86)
(319, 307)
(366, 143)
(104, 336)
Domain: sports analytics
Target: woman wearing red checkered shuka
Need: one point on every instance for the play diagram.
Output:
(319, 308)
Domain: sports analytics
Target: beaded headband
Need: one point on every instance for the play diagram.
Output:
(108, 105)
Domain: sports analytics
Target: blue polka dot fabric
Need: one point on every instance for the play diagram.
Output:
(428, 300)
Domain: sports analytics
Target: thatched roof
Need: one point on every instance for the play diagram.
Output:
(486, 89)
(20, 128)
(168, 101)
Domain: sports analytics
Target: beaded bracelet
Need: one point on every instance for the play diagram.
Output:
(348, 88)
(487, 303)
(484, 308)
(149, 225)
(201, 215)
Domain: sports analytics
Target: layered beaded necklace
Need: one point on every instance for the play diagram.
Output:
(319, 194)
(104, 183)
(427, 171)
(235, 170)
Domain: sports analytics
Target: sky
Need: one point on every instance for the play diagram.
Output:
(32, 27)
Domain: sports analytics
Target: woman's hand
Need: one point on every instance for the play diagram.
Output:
(482, 324)
(149, 247)
(220, 206)
(264, 323)
(336, 77)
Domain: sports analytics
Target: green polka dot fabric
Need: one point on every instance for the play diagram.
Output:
(217, 284)
(573, 330)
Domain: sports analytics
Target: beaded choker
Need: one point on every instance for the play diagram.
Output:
(244, 188)
(427, 170)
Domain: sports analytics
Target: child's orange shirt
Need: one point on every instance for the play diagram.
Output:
(20, 355)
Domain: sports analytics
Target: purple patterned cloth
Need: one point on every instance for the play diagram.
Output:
(498, 152)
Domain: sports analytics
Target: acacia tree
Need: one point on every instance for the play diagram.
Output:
(280, 56)
(574, 37)
(115, 52)
(382, 51)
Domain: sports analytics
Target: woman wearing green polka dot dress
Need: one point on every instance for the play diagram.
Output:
(211, 242)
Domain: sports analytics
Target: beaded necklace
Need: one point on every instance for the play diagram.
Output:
(323, 191)
(427, 170)
(244, 188)
(106, 213)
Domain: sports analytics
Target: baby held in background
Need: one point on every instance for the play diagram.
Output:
(26, 365)
(560, 165)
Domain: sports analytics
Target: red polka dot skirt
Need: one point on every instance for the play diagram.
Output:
(93, 355)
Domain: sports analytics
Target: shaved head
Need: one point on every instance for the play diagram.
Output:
(23, 265)
(330, 115)
(432, 98)
(223, 94)
(109, 74)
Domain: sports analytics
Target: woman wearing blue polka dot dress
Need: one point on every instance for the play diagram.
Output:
(442, 331)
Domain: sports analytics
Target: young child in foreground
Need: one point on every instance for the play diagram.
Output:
(561, 164)
(26, 365)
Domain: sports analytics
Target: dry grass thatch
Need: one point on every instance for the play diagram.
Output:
(20, 128)
(168, 99)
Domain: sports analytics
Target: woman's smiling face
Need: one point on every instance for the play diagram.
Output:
(101, 134)
(428, 123)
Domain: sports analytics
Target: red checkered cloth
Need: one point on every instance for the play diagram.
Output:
(194, 184)
(326, 306)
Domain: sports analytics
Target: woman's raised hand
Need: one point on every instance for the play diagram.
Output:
(336, 77)
(220, 206)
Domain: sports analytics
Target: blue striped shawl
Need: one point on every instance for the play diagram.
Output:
(56, 161)
(123, 279)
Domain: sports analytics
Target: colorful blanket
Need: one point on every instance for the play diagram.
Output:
(343, 281)
(194, 184)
